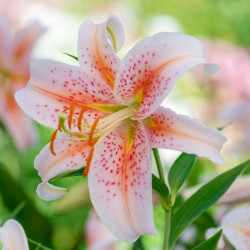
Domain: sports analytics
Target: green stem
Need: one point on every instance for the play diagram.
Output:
(167, 211)
(167, 230)
(158, 164)
(38, 244)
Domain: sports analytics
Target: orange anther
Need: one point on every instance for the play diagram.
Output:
(86, 170)
(92, 131)
(80, 119)
(71, 113)
(52, 140)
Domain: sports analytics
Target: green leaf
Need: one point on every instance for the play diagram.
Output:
(16, 211)
(160, 187)
(205, 197)
(180, 171)
(74, 57)
(138, 245)
(29, 216)
(210, 244)
(77, 172)
(222, 127)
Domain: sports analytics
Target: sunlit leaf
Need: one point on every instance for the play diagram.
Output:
(180, 171)
(210, 244)
(199, 202)
(160, 187)
(74, 57)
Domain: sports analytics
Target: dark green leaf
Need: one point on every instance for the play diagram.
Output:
(74, 57)
(16, 211)
(12, 195)
(210, 244)
(199, 202)
(222, 127)
(138, 245)
(180, 171)
(160, 187)
(77, 172)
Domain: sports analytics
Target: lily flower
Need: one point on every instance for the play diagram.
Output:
(13, 236)
(108, 112)
(236, 228)
(14, 74)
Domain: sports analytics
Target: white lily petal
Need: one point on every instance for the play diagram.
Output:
(13, 236)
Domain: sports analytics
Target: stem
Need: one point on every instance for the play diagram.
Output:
(38, 244)
(167, 212)
(158, 164)
(167, 230)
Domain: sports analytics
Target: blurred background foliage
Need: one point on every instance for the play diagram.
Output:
(61, 224)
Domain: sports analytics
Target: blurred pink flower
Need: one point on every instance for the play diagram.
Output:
(14, 74)
(229, 93)
(233, 78)
(98, 235)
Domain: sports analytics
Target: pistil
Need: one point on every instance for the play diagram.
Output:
(95, 133)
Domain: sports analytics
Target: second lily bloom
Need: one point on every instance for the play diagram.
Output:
(113, 117)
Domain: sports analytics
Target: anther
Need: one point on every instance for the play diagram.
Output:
(79, 124)
(52, 140)
(86, 170)
(71, 113)
(92, 131)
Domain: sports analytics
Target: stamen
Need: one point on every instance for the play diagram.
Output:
(71, 113)
(86, 170)
(79, 124)
(62, 118)
(52, 140)
(92, 130)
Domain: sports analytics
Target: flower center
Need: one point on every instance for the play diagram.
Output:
(95, 132)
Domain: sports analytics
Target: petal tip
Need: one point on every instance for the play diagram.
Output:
(49, 192)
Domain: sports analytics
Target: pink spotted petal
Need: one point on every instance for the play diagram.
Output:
(120, 184)
(70, 155)
(51, 90)
(236, 227)
(68, 82)
(13, 236)
(154, 65)
(179, 132)
(23, 45)
(96, 48)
